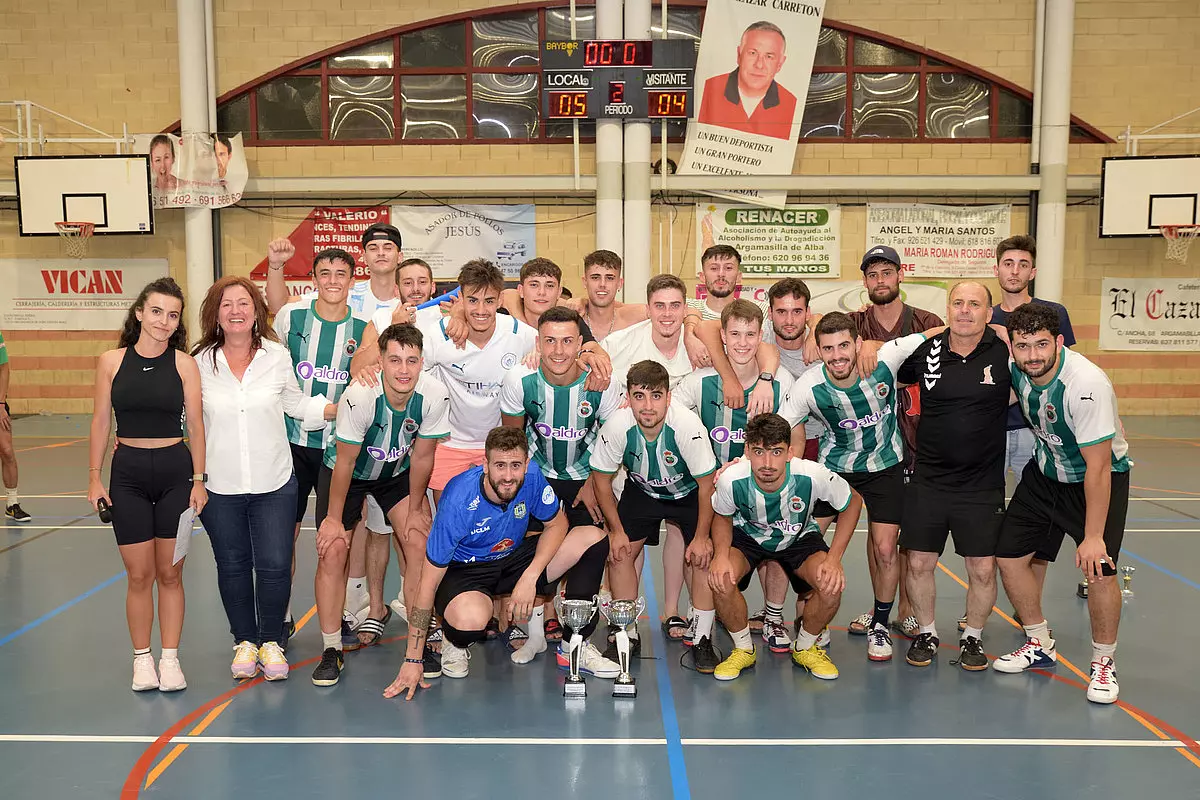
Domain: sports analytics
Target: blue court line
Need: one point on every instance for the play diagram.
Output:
(50, 615)
(1152, 565)
(666, 700)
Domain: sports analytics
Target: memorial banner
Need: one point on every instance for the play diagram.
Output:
(940, 241)
(796, 241)
(91, 294)
(1150, 314)
(447, 237)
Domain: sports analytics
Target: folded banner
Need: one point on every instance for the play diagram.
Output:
(1150, 314)
(449, 236)
(940, 241)
(91, 294)
(754, 65)
(798, 241)
(205, 170)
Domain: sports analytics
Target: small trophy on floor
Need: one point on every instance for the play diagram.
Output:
(1127, 580)
(575, 614)
(621, 614)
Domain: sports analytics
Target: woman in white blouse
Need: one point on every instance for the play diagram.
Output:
(248, 386)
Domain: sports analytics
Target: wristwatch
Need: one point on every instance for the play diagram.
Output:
(766, 376)
(202, 477)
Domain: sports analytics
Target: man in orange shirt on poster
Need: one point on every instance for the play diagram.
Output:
(748, 99)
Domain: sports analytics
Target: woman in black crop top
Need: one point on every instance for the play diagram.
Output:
(149, 382)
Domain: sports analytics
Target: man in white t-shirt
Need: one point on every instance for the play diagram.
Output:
(659, 338)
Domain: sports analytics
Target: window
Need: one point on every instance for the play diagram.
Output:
(474, 77)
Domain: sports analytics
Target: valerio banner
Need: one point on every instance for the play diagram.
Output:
(1150, 314)
(448, 236)
(91, 294)
(754, 66)
(940, 241)
(205, 170)
(798, 241)
(325, 227)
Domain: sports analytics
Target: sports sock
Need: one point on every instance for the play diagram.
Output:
(883, 610)
(742, 639)
(930, 628)
(774, 613)
(13, 497)
(333, 640)
(1041, 632)
(171, 652)
(145, 651)
(976, 632)
(704, 624)
(536, 643)
(1099, 651)
(356, 595)
(805, 640)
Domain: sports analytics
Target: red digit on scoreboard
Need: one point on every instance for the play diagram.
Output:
(606, 53)
(629, 54)
(590, 53)
(616, 92)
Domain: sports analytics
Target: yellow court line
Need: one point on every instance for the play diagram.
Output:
(178, 749)
(1183, 751)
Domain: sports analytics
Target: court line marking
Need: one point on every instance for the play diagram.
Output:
(1160, 568)
(191, 739)
(52, 614)
(50, 446)
(666, 698)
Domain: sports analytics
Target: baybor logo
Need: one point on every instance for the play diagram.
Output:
(564, 433)
(865, 422)
(387, 454)
(721, 435)
(306, 370)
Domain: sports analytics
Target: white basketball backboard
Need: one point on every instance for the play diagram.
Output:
(112, 192)
(1141, 194)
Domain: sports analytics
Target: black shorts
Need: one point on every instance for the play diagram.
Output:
(493, 578)
(972, 517)
(567, 491)
(1042, 510)
(306, 463)
(388, 492)
(641, 515)
(149, 489)
(882, 494)
(790, 558)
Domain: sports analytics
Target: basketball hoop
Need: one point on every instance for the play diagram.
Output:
(75, 237)
(1179, 239)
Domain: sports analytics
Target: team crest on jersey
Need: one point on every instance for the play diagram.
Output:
(882, 391)
(585, 408)
(519, 511)
(796, 504)
(1051, 413)
(502, 545)
(669, 458)
(411, 425)
(509, 360)
(351, 346)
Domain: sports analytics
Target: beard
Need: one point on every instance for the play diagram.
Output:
(1050, 364)
(506, 497)
(720, 294)
(884, 299)
(781, 335)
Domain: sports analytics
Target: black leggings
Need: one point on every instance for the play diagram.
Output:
(149, 490)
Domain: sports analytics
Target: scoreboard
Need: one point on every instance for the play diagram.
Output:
(618, 79)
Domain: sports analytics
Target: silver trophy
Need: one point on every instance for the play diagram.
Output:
(575, 614)
(621, 614)
(1127, 581)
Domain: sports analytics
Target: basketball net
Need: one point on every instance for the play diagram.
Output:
(75, 237)
(1179, 240)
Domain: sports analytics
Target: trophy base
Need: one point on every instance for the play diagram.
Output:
(575, 689)
(625, 689)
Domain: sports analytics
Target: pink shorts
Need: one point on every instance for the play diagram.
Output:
(451, 461)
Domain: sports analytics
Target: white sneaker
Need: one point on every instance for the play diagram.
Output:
(776, 637)
(823, 639)
(1031, 655)
(398, 607)
(1103, 687)
(144, 676)
(592, 662)
(879, 644)
(455, 660)
(171, 675)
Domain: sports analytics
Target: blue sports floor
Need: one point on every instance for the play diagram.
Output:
(71, 728)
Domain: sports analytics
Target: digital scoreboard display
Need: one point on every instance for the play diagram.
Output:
(618, 79)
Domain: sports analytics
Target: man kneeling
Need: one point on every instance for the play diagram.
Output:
(763, 512)
(478, 551)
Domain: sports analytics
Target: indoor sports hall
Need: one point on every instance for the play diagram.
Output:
(189, 138)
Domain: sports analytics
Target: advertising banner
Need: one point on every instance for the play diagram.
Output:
(796, 241)
(1150, 314)
(206, 170)
(447, 237)
(91, 294)
(323, 228)
(940, 241)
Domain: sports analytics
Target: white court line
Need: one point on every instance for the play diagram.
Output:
(493, 741)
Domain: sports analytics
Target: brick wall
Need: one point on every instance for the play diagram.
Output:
(1134, 63)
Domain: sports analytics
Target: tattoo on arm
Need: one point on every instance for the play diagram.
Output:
(419, 619)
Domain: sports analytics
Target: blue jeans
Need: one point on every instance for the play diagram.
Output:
(252, 542)
(1018, 450)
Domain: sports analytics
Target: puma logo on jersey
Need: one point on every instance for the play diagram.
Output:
(1088, 397)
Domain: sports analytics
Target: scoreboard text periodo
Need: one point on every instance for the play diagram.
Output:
(618, 79)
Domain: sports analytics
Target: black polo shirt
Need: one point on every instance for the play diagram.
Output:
(964, 409)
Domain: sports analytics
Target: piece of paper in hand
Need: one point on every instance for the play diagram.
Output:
(183, 535)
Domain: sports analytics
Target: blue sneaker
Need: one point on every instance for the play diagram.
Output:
(1031, 655)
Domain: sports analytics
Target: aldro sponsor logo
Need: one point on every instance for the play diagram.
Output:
(870, 420)
(563, 433)
(306, 370)
(721, 435)
(388, 454)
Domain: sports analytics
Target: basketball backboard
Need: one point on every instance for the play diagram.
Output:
(1141, 194)
(111, 191)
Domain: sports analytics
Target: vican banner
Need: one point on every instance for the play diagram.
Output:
(91, 294)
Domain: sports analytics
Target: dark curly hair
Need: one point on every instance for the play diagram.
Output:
(132, 329)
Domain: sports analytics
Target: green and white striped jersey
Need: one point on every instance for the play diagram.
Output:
(777, 519)
(701, 392)
(666, 467)
(365, 417)
(561, 422)
(321, 351)
(1076, 409)
(863, 434)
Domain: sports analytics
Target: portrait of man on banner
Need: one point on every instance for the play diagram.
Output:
(195, 169)
(749, 98)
